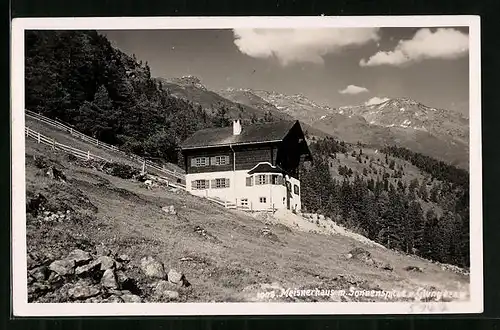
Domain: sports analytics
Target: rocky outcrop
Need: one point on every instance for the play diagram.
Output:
(101, 276)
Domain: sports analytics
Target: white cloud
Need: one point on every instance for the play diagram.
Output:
(300, 45)
(444, 43)
(353, 89)
(376, 100)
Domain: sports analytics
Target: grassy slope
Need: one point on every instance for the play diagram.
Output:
(130, 219)
(66, 138)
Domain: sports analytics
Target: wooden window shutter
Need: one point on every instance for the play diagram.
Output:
(249, 181)
(193, 161)
(269, 179)
(227, 159)
(193, 184)
(213, 184)
(212, 161)
(227, 183)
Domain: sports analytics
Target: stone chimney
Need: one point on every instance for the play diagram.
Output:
(236, 127)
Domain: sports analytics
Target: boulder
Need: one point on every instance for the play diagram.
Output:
(88, 268)
(40, 273)
(113, 299)
(79, 257)
(56, 174)
(360, 253)
(131, 298)
(388, 267)
(163, 291)
(55, 279)
(123, 258)
(413, 269)
(152, 268)
(106, 262)
(121, 278)
(108, 279)
(83, 291)
(102, 250)
(38, 288)
(174, 276)
(169, 210)
(62, 267)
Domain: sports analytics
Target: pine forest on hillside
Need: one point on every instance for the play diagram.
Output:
(383, 206)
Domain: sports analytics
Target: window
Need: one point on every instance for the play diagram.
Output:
(199, 161)
(199, 184)
(220, 183)
(295, 189)
(276, 179)
(249, 181)
(244, 202)
(261, 179)
(220, 160)
(262, 199)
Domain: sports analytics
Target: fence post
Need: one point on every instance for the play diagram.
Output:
(144, 166)
(88, 155)
(71, 131)
(38, 137)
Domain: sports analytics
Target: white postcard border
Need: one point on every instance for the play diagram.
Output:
(19, 264)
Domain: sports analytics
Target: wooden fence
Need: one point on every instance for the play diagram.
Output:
(143, 162)
(86, 155)
(40, 138)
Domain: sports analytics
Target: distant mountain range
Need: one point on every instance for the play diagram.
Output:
(442, 134)
(409, 114)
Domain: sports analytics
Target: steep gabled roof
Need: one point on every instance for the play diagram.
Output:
(255, 133)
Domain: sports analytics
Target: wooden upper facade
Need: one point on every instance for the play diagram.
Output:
(281, 144)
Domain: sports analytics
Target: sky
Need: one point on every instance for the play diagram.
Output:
(330, 66)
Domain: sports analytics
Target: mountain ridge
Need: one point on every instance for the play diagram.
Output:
(436, 136)
(407, 113)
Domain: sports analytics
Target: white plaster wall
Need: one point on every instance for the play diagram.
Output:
(237, 190)
(295, 200)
